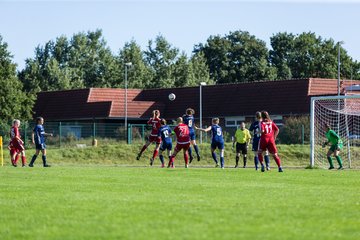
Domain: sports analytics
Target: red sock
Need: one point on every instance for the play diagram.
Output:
(261, 158)
(277, 160)
(16, 159)
(155, 153)
(171, 160)
(23, 160)
(186, 158)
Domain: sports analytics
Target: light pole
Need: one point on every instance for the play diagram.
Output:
(201, 84)
(339, 63)
(127, 65)
(338, 85)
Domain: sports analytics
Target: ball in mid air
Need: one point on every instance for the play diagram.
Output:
(172, 97)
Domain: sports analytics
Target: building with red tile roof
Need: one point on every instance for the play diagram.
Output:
(232, 102)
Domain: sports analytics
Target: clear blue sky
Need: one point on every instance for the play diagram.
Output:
(26, 24)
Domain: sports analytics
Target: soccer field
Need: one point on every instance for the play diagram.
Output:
(95, 202)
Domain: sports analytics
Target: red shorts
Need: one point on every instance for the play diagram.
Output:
(179, 147)
(17, 146)
(154, 139)
(13, 151)
(268, 144)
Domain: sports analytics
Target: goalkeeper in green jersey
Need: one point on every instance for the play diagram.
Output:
(336, 146)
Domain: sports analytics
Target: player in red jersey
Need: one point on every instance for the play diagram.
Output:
(17, 145)
(14, 154)
(155, 123)
(269, 132)
(182, 142)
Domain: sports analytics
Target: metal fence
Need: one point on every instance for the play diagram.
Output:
(74, 133)
(71, 133)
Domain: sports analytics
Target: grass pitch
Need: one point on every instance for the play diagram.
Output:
(93, 202)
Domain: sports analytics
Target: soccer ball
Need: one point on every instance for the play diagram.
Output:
(172, 97)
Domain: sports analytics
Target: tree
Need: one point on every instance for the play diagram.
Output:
(171, 69)
(82, 61)
(140, 74)
(161, 57)
(282, 45)
(200, 70)
(236, 57)
(307, 55)
(14, 102)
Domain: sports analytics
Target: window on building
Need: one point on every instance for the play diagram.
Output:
(231, 123)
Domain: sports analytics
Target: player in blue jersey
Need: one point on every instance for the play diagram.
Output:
(166, 141)
(188, 119)
(217, 140)
(38, 138)
(256, 129)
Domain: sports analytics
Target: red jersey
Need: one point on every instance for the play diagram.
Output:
(14, 134)
(16, 144)
(182, 133)
(267, 129)
(155, 123)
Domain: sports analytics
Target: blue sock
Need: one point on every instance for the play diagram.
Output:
(196, 149)
(267, 160)
(190, 152)
(33, 159)
(222, 161)
(256, 161)
(161, 159)
(213, 154)
(44, 159)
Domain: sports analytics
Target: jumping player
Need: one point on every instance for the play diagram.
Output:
(17, 145)
(155, 124)
(336, 146)
(256, 129)
(269, 132)
(38, 138)
(166, 141)
(182, 142)
(242, 139)
(189, 120)
(217, 140)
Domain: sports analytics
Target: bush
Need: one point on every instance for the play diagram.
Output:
(291, 131)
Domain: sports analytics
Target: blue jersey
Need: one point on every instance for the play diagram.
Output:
(39, 133)
(256, 129)
(217, 135)
(189, 121)
(165, 133)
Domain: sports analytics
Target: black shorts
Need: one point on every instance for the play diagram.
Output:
(41, 146)
(241, 147)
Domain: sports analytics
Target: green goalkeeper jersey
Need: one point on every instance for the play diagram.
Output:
(333, 138)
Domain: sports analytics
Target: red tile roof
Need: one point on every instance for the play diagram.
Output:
(323, 86)
(243, 99)
(92, 103)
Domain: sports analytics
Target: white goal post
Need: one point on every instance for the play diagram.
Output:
(343, 115)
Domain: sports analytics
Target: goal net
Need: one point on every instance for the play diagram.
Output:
(342, 113)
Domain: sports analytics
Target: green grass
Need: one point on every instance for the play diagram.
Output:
(123, 154)
(106, 202)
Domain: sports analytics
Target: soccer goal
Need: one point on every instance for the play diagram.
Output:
(343, 115)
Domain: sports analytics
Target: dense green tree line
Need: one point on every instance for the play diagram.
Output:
(14, 102)
(85, 60)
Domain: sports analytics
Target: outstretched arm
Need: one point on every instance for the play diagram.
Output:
(202, 129)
